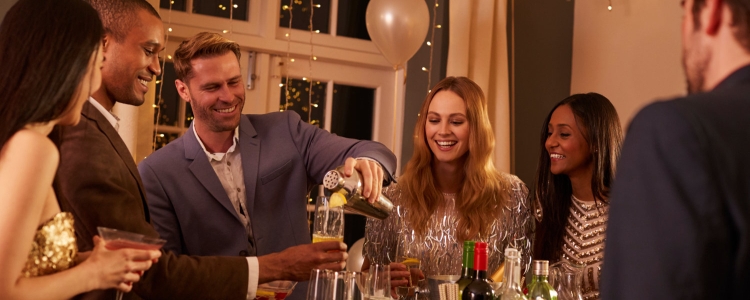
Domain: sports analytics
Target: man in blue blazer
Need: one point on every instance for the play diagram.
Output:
(236, 184)
(679, 225)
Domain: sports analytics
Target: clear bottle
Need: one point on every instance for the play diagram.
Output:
(480, 288)
(512, 278)
(540, 289)
(467, 267)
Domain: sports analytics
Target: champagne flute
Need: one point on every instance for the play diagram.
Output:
(328, 224)
(409, 253)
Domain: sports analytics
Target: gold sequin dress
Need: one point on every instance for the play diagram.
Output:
(583, 242)
(443, 249)
(54, 247)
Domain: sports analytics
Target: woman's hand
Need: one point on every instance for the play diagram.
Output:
(117, 268)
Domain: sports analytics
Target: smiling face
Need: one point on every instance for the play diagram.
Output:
(215, 92)
(566, 144)
(447, 128)
(132, 63)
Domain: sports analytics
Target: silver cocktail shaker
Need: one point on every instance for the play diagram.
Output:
(351, 187)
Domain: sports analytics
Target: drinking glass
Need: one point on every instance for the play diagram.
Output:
(275, 290)
(319, 284)
(342, 286)
(408, 252)
(379, 283)
(328, 224)
(118, 239)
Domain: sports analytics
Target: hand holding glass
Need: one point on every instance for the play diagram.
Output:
(118, 239)
(328, 221)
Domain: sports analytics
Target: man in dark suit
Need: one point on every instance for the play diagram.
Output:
(679, 225)
(98, 181)
(237, 183)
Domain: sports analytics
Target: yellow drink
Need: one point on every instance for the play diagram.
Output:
(318, 238)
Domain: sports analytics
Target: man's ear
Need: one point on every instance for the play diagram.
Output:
(183, 90)
(713, 14)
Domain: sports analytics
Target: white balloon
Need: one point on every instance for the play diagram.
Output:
(397, 27)
(356, 259)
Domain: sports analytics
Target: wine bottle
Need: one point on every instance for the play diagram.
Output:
(479, 288)
(511, 286)
(540, 289)
(467, 267)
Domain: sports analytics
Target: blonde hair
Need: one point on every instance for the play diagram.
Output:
(204, 44)
(483, 191)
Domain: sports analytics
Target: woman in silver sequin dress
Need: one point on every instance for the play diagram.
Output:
(450, 191)
(580, 141)
(51, 57)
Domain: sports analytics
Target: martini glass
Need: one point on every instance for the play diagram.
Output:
(119, 239)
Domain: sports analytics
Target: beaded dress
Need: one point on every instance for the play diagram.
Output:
(443, 250)
(53, 248)
(583, 243)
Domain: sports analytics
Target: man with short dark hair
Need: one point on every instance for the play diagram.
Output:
(236, 184)
(679, 225)
(97, 180)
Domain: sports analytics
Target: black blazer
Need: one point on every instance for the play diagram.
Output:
(679, 225)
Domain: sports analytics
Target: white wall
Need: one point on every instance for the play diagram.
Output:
(631, 55)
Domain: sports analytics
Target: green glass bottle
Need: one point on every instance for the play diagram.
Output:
(467, 267)
(540, 289)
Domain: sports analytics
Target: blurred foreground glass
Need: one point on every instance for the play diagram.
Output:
(328, 221)
(566, 279)
(319, 284)
(275, 290)
(379, 285)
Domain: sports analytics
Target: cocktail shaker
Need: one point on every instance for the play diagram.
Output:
(351, 187)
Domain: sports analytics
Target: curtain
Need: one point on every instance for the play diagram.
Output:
(478, 49)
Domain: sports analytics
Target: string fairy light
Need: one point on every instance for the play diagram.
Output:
(286, 84)
(310, 67)
(159, 100)
(431, 44)
(609, 7)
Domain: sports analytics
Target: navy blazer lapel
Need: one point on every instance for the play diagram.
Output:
(92, 113)
(202, 170)
(250, 150)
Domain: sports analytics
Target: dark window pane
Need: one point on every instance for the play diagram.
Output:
(351, 19)
(221, 8)
(298, 100)
(188, 115)
(176, 4)
(162, 139)
(301, 14)
(170, 104)
(353, 107)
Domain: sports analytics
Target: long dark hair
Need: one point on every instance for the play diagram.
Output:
(45, 50)
(600, 125)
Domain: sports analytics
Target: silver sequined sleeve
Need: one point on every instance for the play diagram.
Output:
(443, 251)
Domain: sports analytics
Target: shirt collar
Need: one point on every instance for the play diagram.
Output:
(113, 120)
(218, 156)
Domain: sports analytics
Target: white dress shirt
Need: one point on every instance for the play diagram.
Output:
(114, 120)
(228, 167)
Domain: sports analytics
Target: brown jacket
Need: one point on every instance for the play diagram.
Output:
(98, 182)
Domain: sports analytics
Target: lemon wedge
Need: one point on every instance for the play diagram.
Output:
(411, 261)
(264, 294)
(337, 199)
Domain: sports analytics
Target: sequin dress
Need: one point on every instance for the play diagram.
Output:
(584, 242)
(54, 247)
(443, 249)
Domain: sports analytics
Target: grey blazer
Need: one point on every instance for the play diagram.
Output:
(282, 158)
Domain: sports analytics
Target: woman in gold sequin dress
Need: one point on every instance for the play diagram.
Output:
(450, 191)
(580, 140)
(50, 53)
